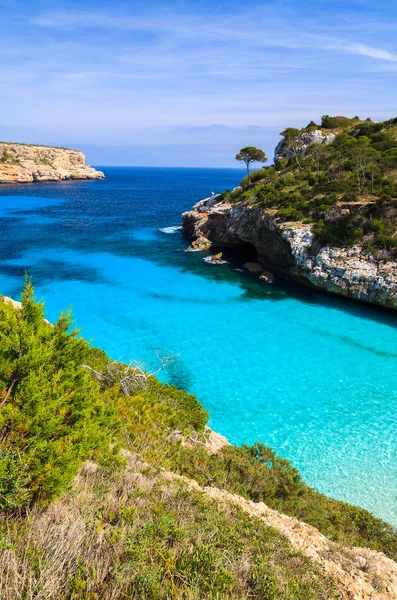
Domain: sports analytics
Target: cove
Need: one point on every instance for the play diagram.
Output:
(313, 376)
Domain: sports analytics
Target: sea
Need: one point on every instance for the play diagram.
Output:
(311, 375)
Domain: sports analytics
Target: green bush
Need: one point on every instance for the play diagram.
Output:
(15, 480)
(344, 231)
(290, 214)
(255, 176)
(259, 474)
(52, 413)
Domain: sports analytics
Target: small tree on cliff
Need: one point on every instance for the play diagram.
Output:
(290, 136)
(249, 155)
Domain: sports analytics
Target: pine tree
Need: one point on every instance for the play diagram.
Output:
(52, 413)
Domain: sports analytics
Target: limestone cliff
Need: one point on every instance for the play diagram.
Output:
(288, 249)
(303, 141)
(23, 163)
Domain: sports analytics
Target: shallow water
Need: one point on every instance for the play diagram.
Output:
(310, 375)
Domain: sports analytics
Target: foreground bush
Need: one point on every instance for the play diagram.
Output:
(52, 415)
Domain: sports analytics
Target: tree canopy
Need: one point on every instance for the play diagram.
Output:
(250, 154)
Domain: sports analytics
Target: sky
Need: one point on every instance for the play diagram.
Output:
(188, 83)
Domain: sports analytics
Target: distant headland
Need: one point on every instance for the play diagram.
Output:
(27, 163)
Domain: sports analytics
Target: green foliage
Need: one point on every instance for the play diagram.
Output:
(290, 134)
(149, 536)
(259, 474)
(153, 415)
(14, 480)
(328, 122)
(312, 126)
(251, 154)
(359, 166)
(345, 231)
(52, 413)
(254, 176)
(8, 158)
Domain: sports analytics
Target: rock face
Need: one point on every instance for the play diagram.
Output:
(287, 249)
(21, 163)
(304, 140)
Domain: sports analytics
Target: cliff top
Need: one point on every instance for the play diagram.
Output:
(339, 176)
(36, 145)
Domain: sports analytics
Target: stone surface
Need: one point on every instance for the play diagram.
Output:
(14, 303)
(216, 257)
(286, 249)
(201, 243)
(253, 267)
(304, 140)
(22, 163)
(214, 441)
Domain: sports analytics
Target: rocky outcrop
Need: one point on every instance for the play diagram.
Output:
(304, 140)
(288, 249)
(23, 163)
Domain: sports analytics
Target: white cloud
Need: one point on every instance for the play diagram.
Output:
(102, 76)
(372, 52)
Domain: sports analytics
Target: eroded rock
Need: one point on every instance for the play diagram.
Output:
(24, 163)
(287, 248)
(253, 267)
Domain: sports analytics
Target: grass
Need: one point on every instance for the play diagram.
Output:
(139, 534)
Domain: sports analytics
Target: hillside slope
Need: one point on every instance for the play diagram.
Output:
(111, 486)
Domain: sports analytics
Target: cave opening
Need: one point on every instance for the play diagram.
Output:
(241, 253)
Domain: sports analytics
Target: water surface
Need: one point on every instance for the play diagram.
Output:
(311, 375)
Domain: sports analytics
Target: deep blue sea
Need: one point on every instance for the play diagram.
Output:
(311, 375)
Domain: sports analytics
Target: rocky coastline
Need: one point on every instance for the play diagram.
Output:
(288, 249)
(24, 163)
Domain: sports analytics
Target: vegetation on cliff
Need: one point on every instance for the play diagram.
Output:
(347, 188)
(76, 531)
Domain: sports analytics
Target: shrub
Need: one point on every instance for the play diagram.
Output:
(328, 122)
(290, 214)
(344, 231)
(52, 413)
(15, 479)
(259, 474)
(255, 176)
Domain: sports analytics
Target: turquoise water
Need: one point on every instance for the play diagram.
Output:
(310, 375)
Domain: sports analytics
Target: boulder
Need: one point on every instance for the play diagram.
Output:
(201, 243)
(304, 140)
(216, 257)
(253, 267)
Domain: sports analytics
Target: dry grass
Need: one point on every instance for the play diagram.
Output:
(142, 534)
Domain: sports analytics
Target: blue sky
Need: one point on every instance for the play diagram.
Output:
(189, 83)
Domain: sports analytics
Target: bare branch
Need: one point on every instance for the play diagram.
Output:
(135, 375)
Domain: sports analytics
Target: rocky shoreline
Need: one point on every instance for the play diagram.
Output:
(24, 163)
(288, 249)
